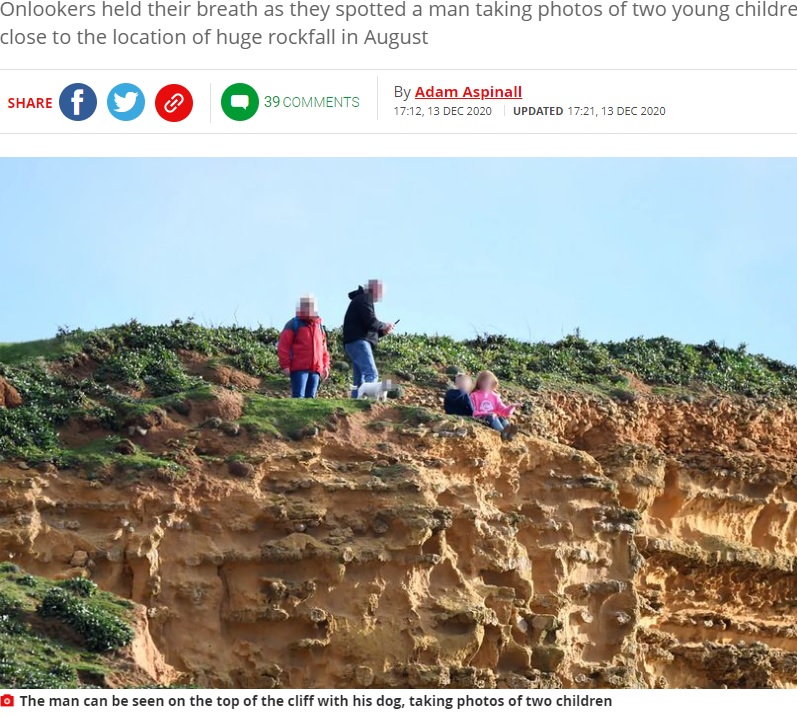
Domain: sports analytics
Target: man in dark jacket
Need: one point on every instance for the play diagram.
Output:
(362, 331)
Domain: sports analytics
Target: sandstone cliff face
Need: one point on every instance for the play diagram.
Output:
(641, 544)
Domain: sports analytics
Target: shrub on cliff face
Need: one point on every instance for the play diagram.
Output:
(156, 368)
(34, 656)
(100, 630)
(10, 613)
(47, 403)
(80, 586)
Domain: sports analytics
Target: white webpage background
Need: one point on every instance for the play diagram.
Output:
(728, 87)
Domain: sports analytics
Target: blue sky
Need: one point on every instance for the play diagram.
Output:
(693, 249)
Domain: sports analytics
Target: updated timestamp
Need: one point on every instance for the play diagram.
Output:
(617, 111)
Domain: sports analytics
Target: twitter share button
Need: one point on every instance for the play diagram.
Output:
(126, 102)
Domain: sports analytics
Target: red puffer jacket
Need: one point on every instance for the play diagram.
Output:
(303, 346)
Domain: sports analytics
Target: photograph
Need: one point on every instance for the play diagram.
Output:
(398, 423)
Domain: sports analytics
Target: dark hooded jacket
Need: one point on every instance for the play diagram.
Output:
(457, 402)
(360, 322)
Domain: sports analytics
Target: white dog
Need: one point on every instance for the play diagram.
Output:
(377, 390)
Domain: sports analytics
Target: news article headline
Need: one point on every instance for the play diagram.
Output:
(305, 700)
(247, 25)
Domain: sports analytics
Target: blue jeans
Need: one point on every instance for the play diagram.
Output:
(304, 384)
(496, 422)
(362, 356)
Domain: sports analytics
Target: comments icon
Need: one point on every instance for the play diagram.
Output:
(240, 102)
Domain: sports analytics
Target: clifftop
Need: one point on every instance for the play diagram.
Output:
(640, 531)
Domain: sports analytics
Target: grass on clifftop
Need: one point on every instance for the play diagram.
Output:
(276, 416)
(48, 348)
(53, 634)
(111, 375)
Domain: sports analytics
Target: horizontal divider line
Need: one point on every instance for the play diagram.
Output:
(402, 134)
(402, 69)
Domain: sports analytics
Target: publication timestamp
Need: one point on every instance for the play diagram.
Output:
(443, 111)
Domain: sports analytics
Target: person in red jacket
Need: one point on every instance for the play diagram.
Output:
(302, 350)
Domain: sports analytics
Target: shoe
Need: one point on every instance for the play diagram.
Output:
(509, 432)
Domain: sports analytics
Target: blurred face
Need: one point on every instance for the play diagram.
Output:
(464, 382)
(376, 289)
(486, 383)
(307, 307)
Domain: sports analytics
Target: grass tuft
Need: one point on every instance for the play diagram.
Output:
(292, 418)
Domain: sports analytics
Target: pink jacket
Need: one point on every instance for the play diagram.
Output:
(488, 403)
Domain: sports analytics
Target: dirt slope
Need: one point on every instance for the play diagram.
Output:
(644, 543)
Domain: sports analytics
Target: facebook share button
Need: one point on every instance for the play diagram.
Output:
(77, 102)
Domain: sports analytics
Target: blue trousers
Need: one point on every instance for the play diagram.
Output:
(496, 422)
(304, 384)
(362, 356)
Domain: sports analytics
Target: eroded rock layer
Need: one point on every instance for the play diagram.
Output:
(649, 543)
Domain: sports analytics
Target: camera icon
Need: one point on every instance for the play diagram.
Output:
(6, 700)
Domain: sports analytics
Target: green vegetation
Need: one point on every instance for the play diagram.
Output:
(112, 377)
(35, 652)
(48, 402)
(101, 454)
(79, 585)
(101, 631)
(576, 362)
(50, 348)
(292, 418)
(156, 369)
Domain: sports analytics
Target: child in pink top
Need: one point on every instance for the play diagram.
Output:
(488, 406)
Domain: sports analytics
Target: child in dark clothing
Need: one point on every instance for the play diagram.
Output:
(457, 400)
